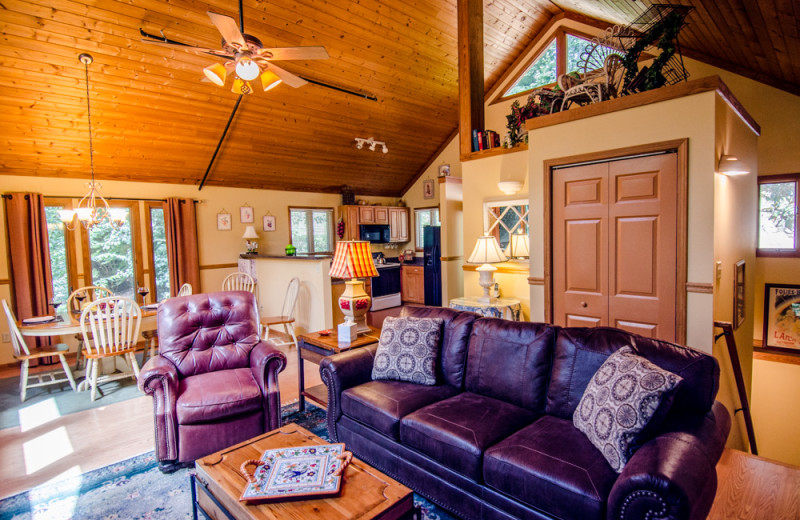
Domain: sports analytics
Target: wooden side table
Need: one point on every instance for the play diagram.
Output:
(313, 347)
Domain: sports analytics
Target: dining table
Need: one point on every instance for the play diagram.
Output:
(68, 323)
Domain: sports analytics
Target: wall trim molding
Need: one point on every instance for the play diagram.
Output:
(218, 266)
(699, 287)
(536, 280)
(501, 269)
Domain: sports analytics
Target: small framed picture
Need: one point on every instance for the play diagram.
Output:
(738, 294)
(246, 214)
(269, 222)
(781, 317)
(444, 170)
(223, 221)
(427, 189)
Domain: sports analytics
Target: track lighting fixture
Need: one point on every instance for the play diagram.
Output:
(360, 142)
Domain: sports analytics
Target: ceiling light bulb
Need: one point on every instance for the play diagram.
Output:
(216, 74)
(359, 144)
(372, 146)
(247, 69)
(385, 150)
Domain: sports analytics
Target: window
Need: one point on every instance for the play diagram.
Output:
(157, 239)
(62, 251)
(424, 217)
(777, 222)
(109, 257)
(541, 72)
(504, 218)
(311, 230)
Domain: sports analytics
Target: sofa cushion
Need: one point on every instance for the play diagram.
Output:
(620, 400)
(216, 395)
(408, 349)
(456, 431)
(453, 354)
(511, 361)
(381, 404)
(551, 466)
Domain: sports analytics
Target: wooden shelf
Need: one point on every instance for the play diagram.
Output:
(318, 394)
(492, 152)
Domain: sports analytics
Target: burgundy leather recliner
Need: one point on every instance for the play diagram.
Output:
(214, 383)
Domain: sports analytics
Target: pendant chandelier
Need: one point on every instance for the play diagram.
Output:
(93, 208)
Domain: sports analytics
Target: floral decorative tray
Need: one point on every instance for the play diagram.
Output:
(296, 472)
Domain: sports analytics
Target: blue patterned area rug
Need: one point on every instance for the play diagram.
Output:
(135, 489)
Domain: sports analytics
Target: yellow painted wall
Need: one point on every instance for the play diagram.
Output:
(776, 420)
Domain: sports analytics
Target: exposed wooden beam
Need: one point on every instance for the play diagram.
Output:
(470, 71)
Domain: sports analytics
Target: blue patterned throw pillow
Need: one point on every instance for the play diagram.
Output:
(620, 400)
(408, 349)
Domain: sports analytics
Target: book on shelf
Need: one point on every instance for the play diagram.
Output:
(485, 140)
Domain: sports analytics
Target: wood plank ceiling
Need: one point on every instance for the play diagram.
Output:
(153, 120)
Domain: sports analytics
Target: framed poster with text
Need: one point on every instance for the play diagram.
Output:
(781, 317)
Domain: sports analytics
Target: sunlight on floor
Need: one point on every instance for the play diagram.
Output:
(38, 414)
(69, 485)
(46, 449)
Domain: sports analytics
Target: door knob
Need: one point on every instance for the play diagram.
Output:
(584, 304)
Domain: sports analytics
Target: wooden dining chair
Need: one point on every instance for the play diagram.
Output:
(110, 328)
(76, 300)
(239, 282)
(24, 355)
(185, 290)
(285, 319)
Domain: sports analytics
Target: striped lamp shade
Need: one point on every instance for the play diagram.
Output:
(352, 260)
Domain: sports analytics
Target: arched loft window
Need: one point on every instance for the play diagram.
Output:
(541, 72)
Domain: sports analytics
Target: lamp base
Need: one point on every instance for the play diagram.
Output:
(486, 280)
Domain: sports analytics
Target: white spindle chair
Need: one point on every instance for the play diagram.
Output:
(90, 294)
(110, 328)
(185, 290)
(286, 318)
(24, 355)
(239, 282)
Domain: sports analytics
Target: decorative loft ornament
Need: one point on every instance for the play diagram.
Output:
(92, 208)
(360, 142)
(487, 251)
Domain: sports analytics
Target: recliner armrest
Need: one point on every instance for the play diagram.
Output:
(159, 378)
(266, 362)
(342, 371)
(669, 477)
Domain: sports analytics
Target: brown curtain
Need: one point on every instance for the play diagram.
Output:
(28, 256)
(181, 226)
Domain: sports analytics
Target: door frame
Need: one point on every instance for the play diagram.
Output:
(681, 148)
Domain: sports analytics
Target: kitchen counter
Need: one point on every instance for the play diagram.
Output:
(257, 256)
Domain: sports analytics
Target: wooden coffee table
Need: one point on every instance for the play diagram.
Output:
(366, 492)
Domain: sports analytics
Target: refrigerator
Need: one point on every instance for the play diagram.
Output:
(432, 244)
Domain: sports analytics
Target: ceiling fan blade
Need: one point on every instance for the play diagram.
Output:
(228, 29)
(295, 53)
(184, 47)
(286, 76)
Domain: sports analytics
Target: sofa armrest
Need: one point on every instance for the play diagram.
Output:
(265, 363)
(673, 475)
(159, 378)
(342, 371)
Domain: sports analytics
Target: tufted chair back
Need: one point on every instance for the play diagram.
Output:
(208, 332)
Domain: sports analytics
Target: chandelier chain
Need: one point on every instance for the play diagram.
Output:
(89, 114)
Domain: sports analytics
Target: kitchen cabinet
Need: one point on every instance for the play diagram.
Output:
(412, 284)
(398, 224)
(350, 216)
(373, 215)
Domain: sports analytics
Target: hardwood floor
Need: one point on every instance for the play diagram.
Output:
(54, 447)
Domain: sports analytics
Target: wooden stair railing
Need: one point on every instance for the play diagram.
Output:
(730, 341)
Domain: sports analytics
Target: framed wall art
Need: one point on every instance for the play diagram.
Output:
(444, 170)
(781, 317)
(246, 214)
(427, 189)
(738, 294)
(269, 222)
(223, 221)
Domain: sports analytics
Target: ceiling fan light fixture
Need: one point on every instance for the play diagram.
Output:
(269, 80)
(247, 69)
(241, 87)
(216, 74)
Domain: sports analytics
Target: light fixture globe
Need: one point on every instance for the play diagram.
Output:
(247, 69)
(510, 187)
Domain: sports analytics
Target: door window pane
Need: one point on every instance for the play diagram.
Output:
(56, 235)
(159, 248)
(112, 257)
(777, 208)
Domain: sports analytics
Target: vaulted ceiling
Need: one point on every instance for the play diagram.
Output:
(153, 120)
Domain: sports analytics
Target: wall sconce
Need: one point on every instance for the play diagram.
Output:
(372, 144)
(731, 165)
(510, 187)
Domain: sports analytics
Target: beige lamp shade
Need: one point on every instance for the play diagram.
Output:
(216, 74)
(269, 80)
(250, 233)
(518, 246)
(487, 251)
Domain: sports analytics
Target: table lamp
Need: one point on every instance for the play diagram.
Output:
(487, 251)
(353, 260)
(518, 246)
(251, 239)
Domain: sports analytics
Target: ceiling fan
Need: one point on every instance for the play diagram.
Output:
(246, 57)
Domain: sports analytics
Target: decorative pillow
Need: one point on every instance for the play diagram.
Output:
(620, 400)
(408, 349)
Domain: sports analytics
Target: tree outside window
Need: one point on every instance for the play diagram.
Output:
(424, 217)
(59, 259)
(311, 230)
(778, 216)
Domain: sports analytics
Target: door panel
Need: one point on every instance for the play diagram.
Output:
(648, 330)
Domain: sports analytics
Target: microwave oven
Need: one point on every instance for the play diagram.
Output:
(375, 233)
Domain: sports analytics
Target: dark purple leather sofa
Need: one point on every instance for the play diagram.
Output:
(495, 440)
(214, 383)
